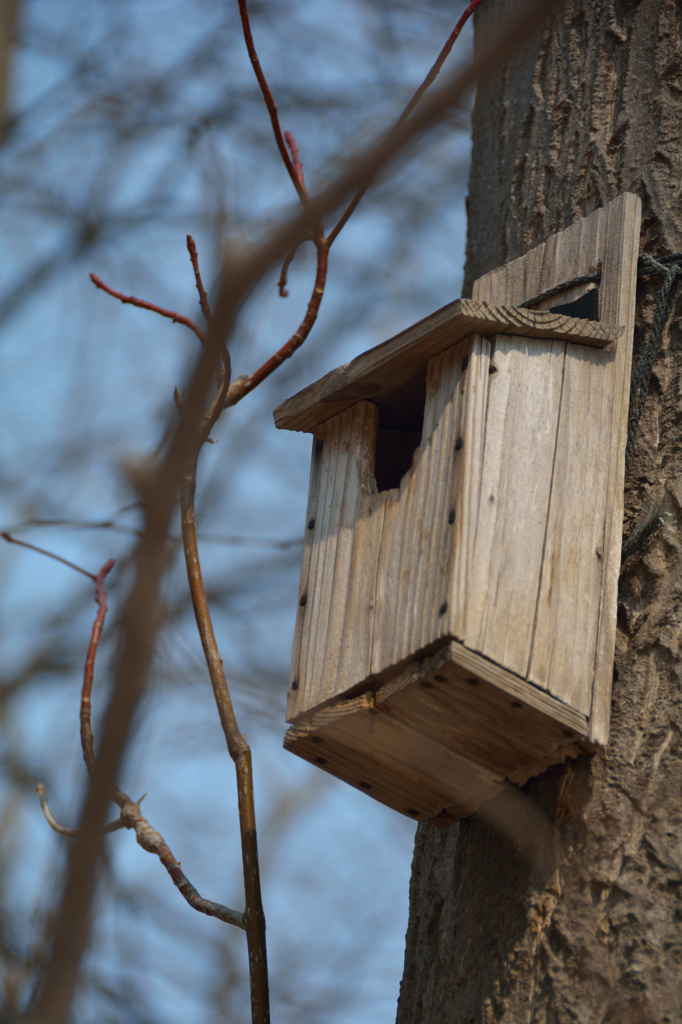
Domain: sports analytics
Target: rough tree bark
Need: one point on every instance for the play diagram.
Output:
(592, 107)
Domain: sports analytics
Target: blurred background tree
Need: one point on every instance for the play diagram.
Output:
(125, 126)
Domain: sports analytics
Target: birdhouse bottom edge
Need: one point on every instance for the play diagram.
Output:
(447, 733)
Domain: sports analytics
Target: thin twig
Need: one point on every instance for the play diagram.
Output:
(243, 385)
(109, 524)
(153, 842)
(286, 263)
(87, 739)
(429, 80)
(131, 300)
(237, 745)
(69, 833)
(205, 308)
(203, 297)
(270, 104)
(296, 161)
(130, 817)
(42, 551)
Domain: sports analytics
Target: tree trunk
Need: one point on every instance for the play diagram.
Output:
(591, 108)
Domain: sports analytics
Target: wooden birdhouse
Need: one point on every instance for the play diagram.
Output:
(457, 609)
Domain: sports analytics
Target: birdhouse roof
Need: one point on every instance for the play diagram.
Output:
(386, 371)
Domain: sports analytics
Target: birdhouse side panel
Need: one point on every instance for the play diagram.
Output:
(329, 643)
(472, 435)
(567, 621)
(446, 382)
(376, 579)
(319, 468)
(417, 543)
(519, 429)
(579, 588)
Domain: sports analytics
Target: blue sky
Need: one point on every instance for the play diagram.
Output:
(87, 384)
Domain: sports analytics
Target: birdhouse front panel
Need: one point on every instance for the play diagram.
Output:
(456, 618)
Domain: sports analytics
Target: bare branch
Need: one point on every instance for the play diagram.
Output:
(203, 297)
(131, 300)
(237, 745)
(153, 842)
(270, 104)
(286, 263)
(42, 551)
(243, 385)
(429, 80)
(241, 274)
(69, 833)
(87, 739)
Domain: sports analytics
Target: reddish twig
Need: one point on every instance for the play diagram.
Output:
(203, 297)
(177, 318)
(41, 551)
(296, 161)
(206, 310)
(270, 104)
(98, 578)
(286, 263)
(153, 842)
(243, 384)
(87, 739)
(429, 80)
(130, 817)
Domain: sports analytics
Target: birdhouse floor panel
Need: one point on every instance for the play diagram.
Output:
(442, 737)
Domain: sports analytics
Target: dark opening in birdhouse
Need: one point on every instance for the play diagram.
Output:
(401, 420)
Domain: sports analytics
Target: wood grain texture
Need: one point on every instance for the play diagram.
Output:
(377, 567)
(517, 441)
(441, 737)
(497, 548)
(333, 595)
(396, 362)
(574, 629)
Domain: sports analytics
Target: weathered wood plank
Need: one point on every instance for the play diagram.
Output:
(519, 689)
(300, 646)
(440, 738)
(418, 540)
(396, 362)
(407, 794)
(318, 513)
(574, 633)
(518, 447)
(617, 298)
(432, 593)
(347, 639)
(475, 402)
(346, 477)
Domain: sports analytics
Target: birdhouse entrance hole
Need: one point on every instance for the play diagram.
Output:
(399, 434)
(457, 608)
